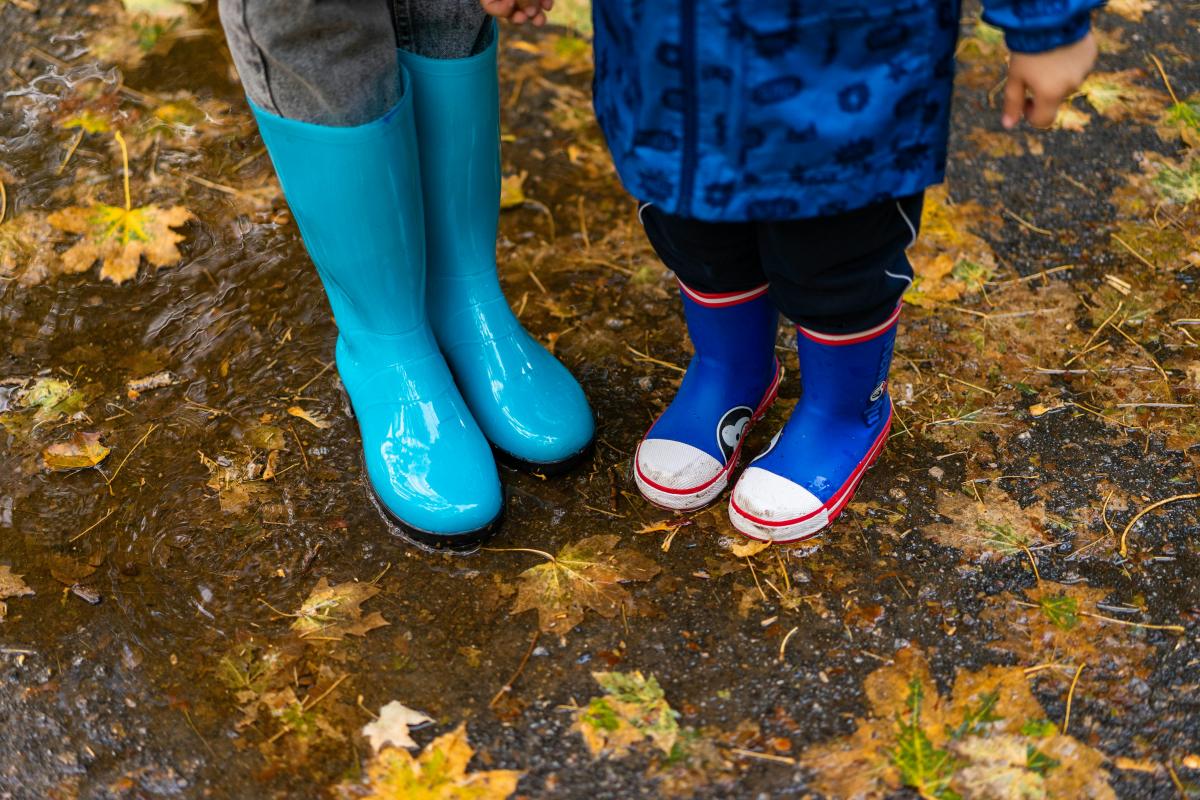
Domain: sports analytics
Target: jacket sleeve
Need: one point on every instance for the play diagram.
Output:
(1035, 26)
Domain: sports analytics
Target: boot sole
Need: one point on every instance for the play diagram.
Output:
(753, 529)
(546, 469)
(689, 500)
(459, 543)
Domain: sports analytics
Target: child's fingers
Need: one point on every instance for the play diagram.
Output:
(1043, 109)
(532, 11)
(1014, 101)
(498, 8)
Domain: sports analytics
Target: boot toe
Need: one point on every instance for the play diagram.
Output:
(770, 507)
(678, 476)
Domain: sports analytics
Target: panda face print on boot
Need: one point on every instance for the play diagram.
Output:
(685, 460)
(836, 432)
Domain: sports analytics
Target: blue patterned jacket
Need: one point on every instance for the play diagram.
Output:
(731, 110)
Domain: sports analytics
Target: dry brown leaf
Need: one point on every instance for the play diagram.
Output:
(27, 249)
(82, 451)
(1055, 626)
(997, 144)
(11, 585)
(316, 421)
(585, 574)
(120, 238)
(995, 528)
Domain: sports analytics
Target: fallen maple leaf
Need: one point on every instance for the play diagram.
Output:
(632, 709)
(121, 237)
(1132, 10)
(391, 728)
(27, 249)
(1118, 96)
(949, 260)
(988, 530)
(333, 612)
(11, 585)
(1070, 118)
(82, 451)
(439, 773)
(585, 574)
(987, 739)
(1062, 623)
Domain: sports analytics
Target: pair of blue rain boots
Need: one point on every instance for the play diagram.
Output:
(399, 215)
(814, 464)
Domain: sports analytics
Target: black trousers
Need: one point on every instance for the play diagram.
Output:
(837, 274)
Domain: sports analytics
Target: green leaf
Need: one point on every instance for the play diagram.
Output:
(1039, 762)
(1039, 728)
(923, 767)
(1181, 185)
(1003, 537)
(1061, 610)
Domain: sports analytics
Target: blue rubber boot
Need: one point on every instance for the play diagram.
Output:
(527, 403)
(836, 432)
(684, 461)
(355, 194)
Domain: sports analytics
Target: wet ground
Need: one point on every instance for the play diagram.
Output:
(157, 657)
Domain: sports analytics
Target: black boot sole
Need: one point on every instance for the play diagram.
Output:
(459, 543)
(546, 469)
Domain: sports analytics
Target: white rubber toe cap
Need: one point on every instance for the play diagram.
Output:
(678, 476)
(770, 507)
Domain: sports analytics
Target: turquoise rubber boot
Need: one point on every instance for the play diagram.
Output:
(527, 403)
(355, 193)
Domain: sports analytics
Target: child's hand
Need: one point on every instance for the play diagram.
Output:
(1049, 77)
(519, 11)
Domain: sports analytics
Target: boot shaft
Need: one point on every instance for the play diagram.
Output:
(846, 375)
(734, 331)
(356, 195)
(457, 111)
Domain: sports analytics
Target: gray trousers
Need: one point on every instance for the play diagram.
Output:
(333, 62)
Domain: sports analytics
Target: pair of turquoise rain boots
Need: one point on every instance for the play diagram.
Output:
(399, 216)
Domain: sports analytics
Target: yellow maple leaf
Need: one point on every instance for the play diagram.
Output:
(439, 773)
(1132, 10)
(949, 260)
(330, 613)
(81, 451)
(512, 190)
(121, 237)
(1070, 118)
(1118, 96)
(584, 574)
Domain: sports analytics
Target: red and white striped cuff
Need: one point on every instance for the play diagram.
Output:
(725, 298)
(853, 338)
